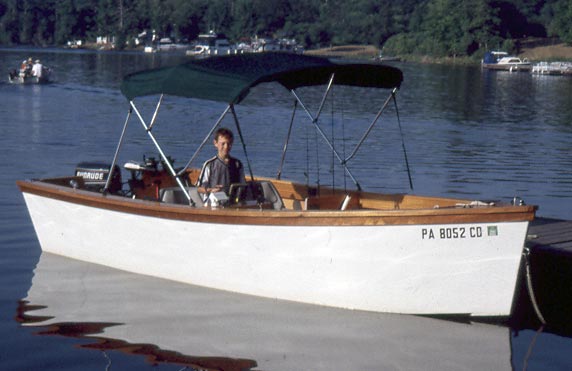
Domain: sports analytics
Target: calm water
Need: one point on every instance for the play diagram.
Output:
(468, 133)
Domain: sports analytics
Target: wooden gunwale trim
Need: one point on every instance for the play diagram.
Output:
(281, 217)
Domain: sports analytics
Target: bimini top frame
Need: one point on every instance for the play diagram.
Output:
(230, 78)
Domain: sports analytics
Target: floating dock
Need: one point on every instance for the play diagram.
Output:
(552, 68)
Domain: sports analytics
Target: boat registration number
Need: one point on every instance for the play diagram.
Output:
(457, 232)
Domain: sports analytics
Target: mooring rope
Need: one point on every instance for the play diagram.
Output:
(526, 254)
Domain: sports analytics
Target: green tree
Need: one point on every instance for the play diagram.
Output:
(561, 24)
(218, 16)
(27, 21)
(9, 22)
(65, 17)
(189, 18)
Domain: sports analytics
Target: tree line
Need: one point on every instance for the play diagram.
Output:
(424, 27)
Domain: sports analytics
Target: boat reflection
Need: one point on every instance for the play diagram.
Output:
(168, 322)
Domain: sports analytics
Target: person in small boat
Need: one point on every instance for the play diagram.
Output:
(37, 69)
(26, 68)
(23, 67)
(219, 172)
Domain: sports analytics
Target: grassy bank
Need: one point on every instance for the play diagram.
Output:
(533, 50)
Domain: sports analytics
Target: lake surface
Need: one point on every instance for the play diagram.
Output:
(468, 133)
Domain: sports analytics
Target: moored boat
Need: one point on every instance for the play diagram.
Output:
(276, 238)
(509, 63)
(210, 44)
(492, 57)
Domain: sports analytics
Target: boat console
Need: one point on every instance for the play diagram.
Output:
(254, 194)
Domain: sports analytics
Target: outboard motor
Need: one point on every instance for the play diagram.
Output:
(95, 176)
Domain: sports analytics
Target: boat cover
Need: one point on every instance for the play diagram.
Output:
(229, 78)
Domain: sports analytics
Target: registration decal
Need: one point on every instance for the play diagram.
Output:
(448, 233)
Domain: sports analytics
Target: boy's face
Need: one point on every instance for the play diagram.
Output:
(223, 145)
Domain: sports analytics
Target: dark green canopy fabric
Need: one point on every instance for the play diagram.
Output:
(229, 78)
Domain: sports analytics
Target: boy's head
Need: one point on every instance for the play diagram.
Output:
(223, 139)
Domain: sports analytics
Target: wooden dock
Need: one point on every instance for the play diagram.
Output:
(550, 245)
(553, 234)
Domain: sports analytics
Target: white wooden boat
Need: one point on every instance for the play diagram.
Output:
(350, 249)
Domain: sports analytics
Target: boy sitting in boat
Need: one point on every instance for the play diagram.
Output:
(219, 172)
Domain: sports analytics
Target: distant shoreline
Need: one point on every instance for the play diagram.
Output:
(536, 50)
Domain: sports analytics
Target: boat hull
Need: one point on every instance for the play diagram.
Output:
(521, 67)
(20, 80)
(424, 268)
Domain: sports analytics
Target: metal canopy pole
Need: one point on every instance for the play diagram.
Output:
(161, 153)
(209, 135)
(328, 142)
(402, 140)
(241, 140)
(279, 175)
(392, 95)
(155, 113)
(111, 169)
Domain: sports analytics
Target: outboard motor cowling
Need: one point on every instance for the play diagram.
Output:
(95, 176)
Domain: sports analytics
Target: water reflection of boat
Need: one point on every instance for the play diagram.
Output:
(336, 247)
(183, 324)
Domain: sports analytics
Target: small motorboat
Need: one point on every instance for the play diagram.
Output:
(276, 238)
(511, 64)
(30, 73)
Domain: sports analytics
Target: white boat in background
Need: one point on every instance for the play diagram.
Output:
(493, 57)
(166, 44)
(211, 44)
(275, 238)
(175, 324)
(511, 64)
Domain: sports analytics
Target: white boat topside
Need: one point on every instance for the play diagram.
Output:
(446, 260)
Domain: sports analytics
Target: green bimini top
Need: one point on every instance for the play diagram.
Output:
(229, 78)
